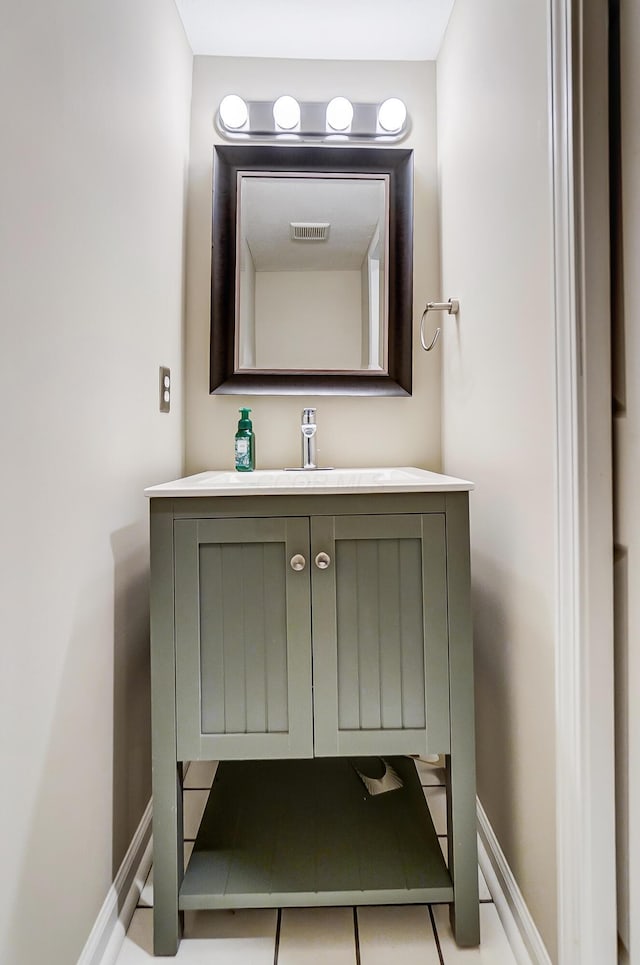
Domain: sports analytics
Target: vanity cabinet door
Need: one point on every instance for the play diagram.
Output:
(243, 639)
(380, 653)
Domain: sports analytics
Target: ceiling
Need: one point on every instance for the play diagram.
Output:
(353, 207)
(317, 29)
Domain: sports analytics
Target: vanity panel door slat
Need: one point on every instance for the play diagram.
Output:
(361, 579)
(243, 666)
(389, 601)
(242, 639)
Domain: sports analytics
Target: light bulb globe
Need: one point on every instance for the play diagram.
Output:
(233, 112)
(339, 114)
(286, 112)
(392, 115)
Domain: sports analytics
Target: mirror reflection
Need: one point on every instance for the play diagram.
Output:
(312, 286)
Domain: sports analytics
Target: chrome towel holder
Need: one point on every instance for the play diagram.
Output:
(452, 307)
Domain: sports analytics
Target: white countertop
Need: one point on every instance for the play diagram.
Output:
(280, 482)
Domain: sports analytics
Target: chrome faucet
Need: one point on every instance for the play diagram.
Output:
(309, 448)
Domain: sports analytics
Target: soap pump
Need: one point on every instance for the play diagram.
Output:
(245, 443)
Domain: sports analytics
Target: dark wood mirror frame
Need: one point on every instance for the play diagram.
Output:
(394, 162)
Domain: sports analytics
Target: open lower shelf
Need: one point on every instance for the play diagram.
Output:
(306, 832)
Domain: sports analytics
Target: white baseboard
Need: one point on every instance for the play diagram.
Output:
(524, 938)
(107, 934)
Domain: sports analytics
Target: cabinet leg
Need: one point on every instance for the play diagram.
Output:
(168, 858)
(461, 767)
(463, 854)
(168, 848)
(465, 931)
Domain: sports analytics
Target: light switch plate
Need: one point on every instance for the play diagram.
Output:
(165, 389)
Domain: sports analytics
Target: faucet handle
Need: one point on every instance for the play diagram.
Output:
(308, 416)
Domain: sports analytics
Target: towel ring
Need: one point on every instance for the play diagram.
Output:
(452, 307)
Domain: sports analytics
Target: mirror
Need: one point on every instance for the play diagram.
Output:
(311, 281)
(312, 253)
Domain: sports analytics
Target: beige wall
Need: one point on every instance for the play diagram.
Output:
(352, 431)
(94, 104)
(498, 425)
(627, 519)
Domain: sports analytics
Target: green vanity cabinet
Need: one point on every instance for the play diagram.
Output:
(348, 657)
(290, 635)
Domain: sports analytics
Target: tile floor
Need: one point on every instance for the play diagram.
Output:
(371, 935)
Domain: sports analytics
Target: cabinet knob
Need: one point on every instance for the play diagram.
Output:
(298, 562)
(323, 560)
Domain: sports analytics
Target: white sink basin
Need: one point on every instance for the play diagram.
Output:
(281, 482)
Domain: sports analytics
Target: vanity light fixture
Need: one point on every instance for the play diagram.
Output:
(339, 114)
(337, 120)
(286, 113)
(233, 112)
(392, 115)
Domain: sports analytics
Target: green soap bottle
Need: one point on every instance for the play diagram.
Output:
(245, 443)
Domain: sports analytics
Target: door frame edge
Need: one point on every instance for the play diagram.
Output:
(585, 805)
